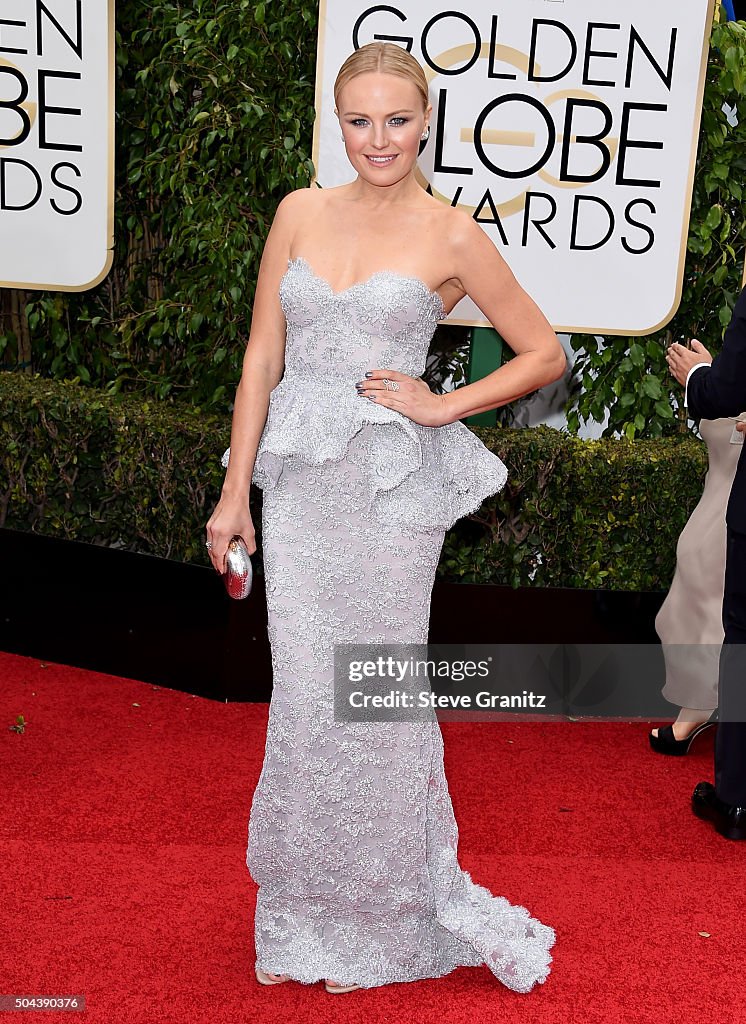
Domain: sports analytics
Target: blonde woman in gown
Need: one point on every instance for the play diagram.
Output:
(352, 837)
(690, 620)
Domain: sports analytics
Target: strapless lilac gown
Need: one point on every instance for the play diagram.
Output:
(352, 839)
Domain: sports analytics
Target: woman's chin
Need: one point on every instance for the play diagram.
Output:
(386, 174)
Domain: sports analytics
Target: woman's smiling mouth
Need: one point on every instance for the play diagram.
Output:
(381, 161)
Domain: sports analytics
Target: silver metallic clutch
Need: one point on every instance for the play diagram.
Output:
(238, 575)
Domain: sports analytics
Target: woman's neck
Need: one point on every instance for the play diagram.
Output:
(383, 196)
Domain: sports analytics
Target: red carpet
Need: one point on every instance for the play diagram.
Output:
(123, 837)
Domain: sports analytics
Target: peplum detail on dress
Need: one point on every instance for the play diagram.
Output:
(421, 476)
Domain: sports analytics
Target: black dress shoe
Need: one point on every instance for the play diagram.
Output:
(728, 819)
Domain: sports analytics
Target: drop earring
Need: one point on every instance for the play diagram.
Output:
(425, 135)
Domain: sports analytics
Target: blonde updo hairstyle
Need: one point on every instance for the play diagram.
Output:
(388, 58)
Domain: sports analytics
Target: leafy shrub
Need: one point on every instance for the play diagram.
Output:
(214, 121)
(145, 476)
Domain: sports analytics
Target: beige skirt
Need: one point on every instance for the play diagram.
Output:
(690, 621)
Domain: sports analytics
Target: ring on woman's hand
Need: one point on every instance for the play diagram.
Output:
(208, 544)
(390, 385)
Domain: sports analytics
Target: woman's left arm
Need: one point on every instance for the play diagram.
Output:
(488, 280)
(481, 272)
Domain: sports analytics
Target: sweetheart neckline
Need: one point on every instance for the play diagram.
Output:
(359, 284)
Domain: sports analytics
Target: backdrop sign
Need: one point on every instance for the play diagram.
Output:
(56, 143)
(568, 130)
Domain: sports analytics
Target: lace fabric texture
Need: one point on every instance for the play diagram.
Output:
(352, 839)
(429, 475)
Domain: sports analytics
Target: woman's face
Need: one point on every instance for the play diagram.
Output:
(382, 119)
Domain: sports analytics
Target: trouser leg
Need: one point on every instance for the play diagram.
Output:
(730, 742)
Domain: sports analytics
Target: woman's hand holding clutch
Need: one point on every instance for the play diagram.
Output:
(231, 518)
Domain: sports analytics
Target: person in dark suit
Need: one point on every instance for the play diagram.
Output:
(717, 387)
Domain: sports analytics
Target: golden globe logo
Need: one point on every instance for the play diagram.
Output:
(56, 143)
(568, 134)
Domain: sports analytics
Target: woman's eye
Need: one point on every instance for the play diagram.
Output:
(397, 122)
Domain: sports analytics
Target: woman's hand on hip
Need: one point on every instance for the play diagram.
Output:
(413, 397)
(231, 517)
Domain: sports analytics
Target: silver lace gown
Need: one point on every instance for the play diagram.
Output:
(352, 836)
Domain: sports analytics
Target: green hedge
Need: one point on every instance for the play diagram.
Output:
(108, 469)
(81, 464)
(601, 514)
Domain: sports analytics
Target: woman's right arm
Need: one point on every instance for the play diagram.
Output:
(263, 363)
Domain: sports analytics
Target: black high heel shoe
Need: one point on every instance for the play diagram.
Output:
(666, 743)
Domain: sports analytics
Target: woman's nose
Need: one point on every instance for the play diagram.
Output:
(380, 136)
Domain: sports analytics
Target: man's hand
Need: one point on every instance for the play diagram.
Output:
(680, 360)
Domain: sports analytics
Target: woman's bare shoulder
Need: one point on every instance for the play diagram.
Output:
(457, 223)
(452, 228)
(297, 200)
